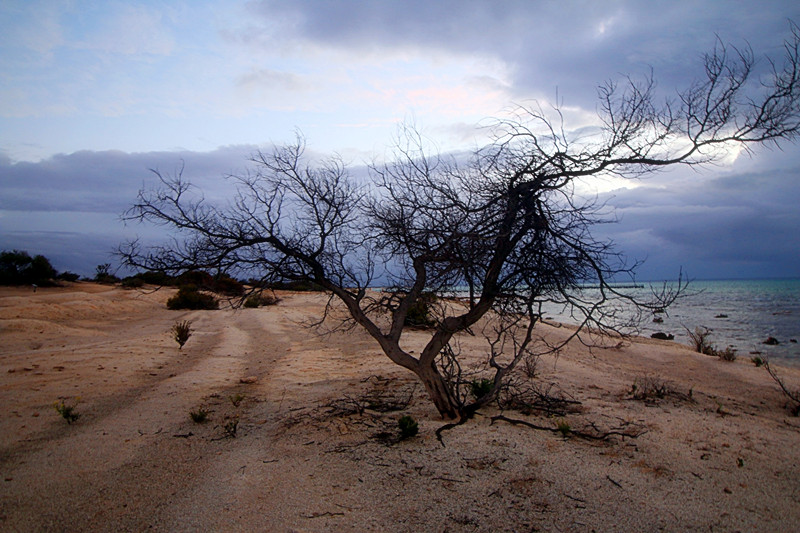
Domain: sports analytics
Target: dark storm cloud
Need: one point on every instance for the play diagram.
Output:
(106, 181)
(736, 224)
(68, 207)
(572, 46)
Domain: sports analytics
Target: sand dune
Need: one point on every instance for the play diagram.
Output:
(719, 452)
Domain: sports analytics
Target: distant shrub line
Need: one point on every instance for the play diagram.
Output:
(17, 267)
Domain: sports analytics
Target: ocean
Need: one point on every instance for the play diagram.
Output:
(739, 313)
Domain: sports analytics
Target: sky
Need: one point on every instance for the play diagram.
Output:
(94, 94)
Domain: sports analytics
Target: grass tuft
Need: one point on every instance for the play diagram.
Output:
(181, 331)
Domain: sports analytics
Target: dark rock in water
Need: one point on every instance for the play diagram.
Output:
(793, 340)
(721, 316)
(662, 336)
(772, 341)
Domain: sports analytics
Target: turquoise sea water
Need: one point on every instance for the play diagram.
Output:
(740, 313)
(755, 309)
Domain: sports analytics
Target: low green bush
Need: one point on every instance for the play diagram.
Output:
(188, 297)
(481, 387)
(408, 427)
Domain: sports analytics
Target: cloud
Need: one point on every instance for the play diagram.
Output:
(104, 182)
(737, 222)
(571, 46)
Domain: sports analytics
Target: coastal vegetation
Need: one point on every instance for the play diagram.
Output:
(181, 331)
(504, 223)
(17, 267)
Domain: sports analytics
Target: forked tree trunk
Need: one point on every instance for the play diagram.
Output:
(439, 391)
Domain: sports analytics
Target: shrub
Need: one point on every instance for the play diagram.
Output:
(103, 274)
(419, 314)
(481, 387)
(156, 277)
(728, 354)
(700, 340)
(563, 427)
(19, 268)
(199, 416)
(236, 399)
(757, 360)
(189, 297)
(227, 286)
(132, 282)
(221, 284)
(181, 331)
(231, 426)
(67, 412)
(649, 387)
(68, 276)
(408, 427)
(198, 278)
(259, 299)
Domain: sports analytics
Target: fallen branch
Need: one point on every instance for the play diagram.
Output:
(596, 434)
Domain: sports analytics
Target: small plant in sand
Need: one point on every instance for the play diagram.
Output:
(481, 387)
(408, 427)
(728, 354)
(67, 411)
(563, 427)
(199, 416)
(181, 331)
(648, 388)
(702, 344)
(231, 426)
(236, 399)
(700, 340)
(757, 360)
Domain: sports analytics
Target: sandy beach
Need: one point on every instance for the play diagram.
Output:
(293, 442)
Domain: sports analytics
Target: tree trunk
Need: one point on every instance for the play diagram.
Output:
(439, 392)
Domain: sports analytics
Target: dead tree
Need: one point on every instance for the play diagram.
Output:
(505, 225)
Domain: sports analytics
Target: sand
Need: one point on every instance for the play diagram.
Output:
(719, 452)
